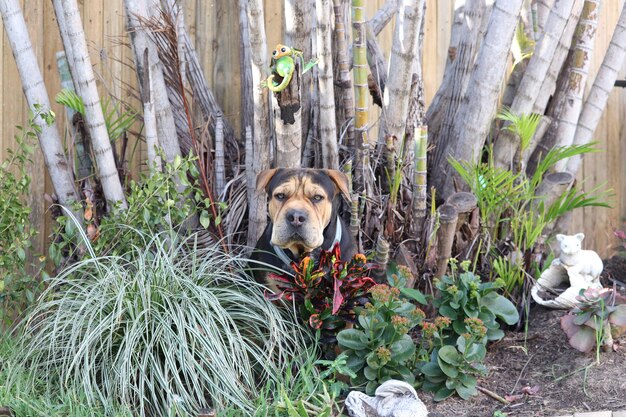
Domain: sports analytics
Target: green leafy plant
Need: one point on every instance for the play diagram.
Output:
(117, 120)
(464, 295)
(18, 288)
(327, 291)
(454, 368)
(153, 206)
(379, 348)
(301, 391)
(331, 371)
(523, 126)
(591, 321)
(511, 209)
(167, 325)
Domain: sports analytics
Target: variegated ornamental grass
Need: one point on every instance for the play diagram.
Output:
(168, 326)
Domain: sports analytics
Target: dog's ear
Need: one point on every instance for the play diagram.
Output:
(341, 181)
(264, 178)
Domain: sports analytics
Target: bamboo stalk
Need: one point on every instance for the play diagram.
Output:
(403, 60)
(381, 258)
(383, 16)
(359, 68)
(507, 144)
(220, 170)
(418, 202)
(549, 82)
(567, 105)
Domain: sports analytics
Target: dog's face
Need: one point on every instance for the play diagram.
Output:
(302, 203)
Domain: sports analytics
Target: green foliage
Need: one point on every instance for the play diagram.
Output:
(379, 347)
(153, 205)
(167, 326)
(464, 296)
(454, 368)
(511, 210)
(117, 120)
(523, 45)
(523, 126)
(17, 287)
(302, 391)
(27, 396)
(326, 292)
(589, 323)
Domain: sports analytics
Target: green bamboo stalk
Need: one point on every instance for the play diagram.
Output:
(418, 203)
(361, 92)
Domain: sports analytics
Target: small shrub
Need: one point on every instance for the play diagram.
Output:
(454, 368)
(17, 287)
(379, 348)
(165, 326)
(327, 292)
(464, 295)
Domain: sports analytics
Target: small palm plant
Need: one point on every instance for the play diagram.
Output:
(166, 328)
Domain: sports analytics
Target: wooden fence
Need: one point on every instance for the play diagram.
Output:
(213, 25)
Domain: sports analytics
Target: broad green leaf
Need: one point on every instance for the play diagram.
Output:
(443, 393)
(402, 349)
(414, 294)
(450, 370)
(370, 373)
(501, 307)
(432, 369)
(466, 392)
(450, 355)
(351, 339)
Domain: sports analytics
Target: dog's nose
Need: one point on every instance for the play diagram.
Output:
(296, 217)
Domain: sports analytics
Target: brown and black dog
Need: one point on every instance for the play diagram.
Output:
(303, 207)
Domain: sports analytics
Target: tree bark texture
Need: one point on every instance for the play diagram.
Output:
(94, 119)
(327, 123)
(599, 94)
(35, 91)
(258, 149)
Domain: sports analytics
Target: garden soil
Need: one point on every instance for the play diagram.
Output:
(542, 375)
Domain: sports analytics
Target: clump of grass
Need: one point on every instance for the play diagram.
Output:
(164, 328)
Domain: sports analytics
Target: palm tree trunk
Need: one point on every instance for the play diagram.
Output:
(36, 95)
(599, 93)
(443, 111)
(166, 127)
(258, 149)
(297, 20)
(544, 8)
(94, 119)
(506, 145)
(474, 119)
(327, 123)
(549, 82)
(567, 105)
(383, 16)
(396, 99)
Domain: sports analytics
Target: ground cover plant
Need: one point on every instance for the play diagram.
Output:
(166, 326)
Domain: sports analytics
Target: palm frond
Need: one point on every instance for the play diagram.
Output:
(524, 125)
(70, 99)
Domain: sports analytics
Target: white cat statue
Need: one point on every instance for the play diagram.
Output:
(582, 268)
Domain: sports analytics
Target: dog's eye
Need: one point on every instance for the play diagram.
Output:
(317, 198)
(279, 196)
